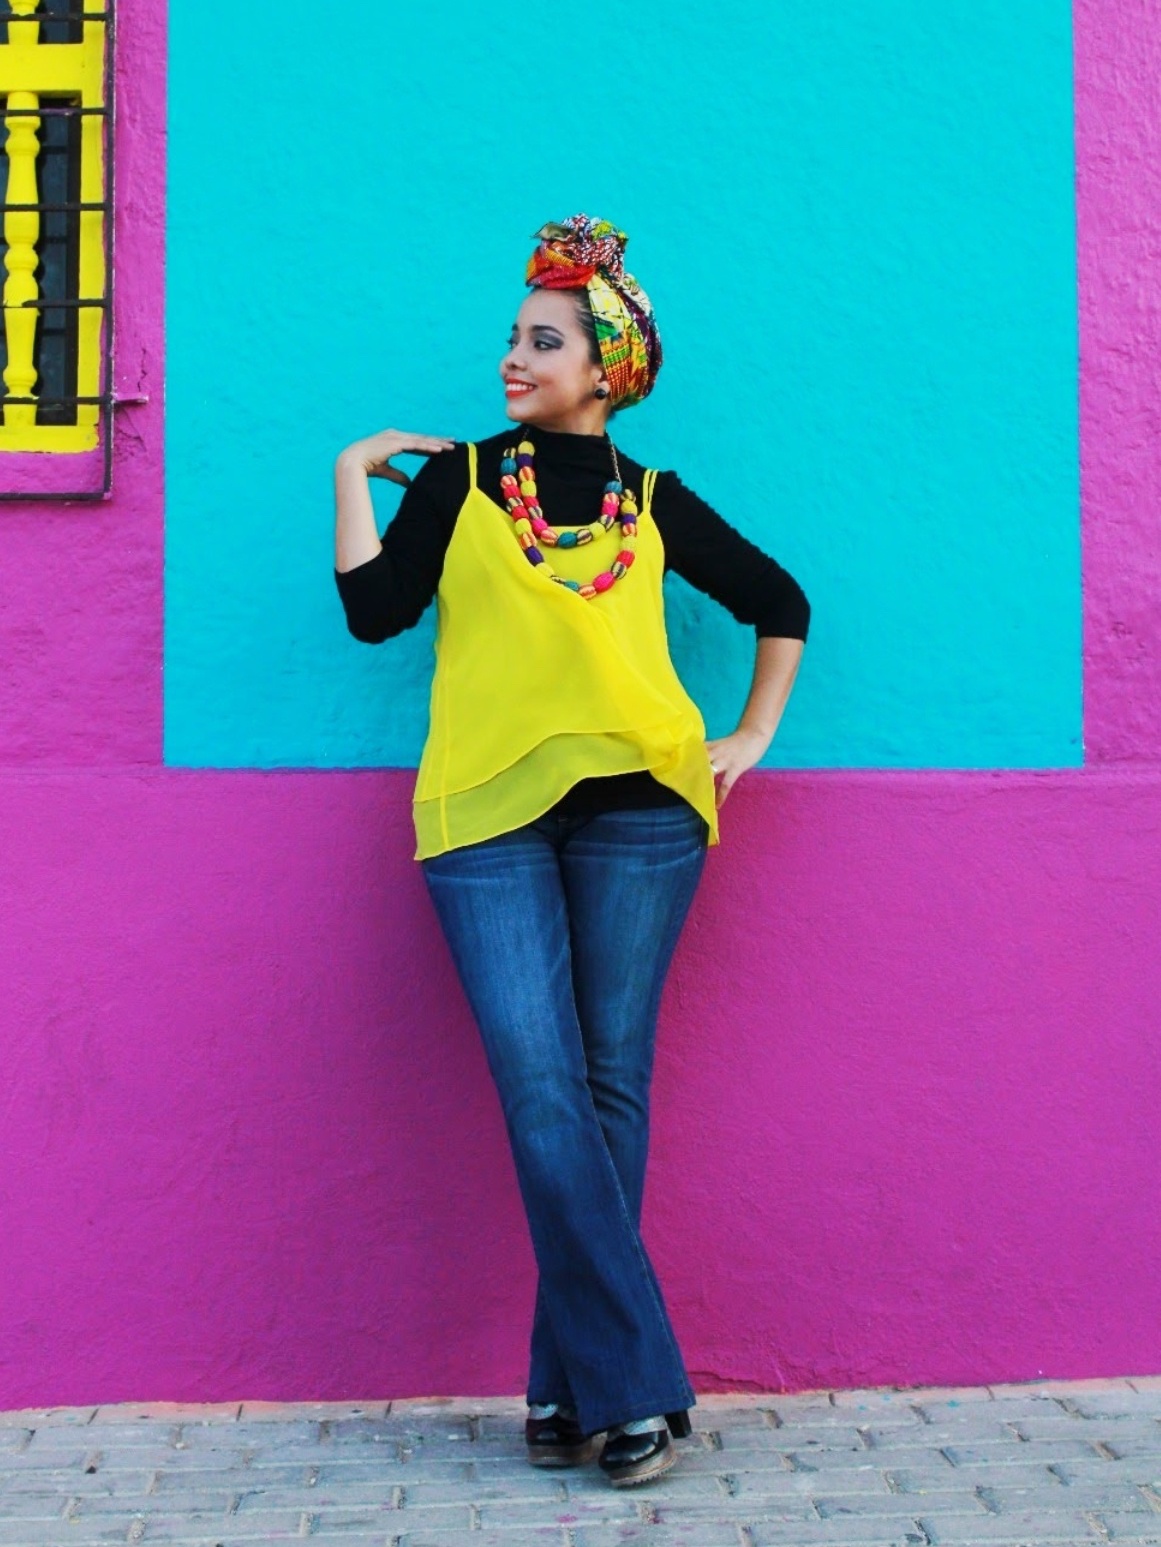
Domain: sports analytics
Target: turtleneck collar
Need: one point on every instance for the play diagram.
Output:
(562, 449)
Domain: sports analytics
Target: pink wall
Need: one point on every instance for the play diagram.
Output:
(81, 602)
(905, 1121)
(1118, 149)
(906, 1115)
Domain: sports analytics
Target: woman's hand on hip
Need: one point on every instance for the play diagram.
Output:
(374, 452)
(731, 756)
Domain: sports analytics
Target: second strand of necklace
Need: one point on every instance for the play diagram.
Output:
(518, 483)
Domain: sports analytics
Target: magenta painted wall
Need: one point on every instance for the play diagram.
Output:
(81, 599)
(905, 1118)
(905, 1114)
(1118, 149)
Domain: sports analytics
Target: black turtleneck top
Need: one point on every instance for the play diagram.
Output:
(390, 592)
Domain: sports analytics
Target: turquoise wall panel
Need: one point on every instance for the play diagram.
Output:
(857, 226)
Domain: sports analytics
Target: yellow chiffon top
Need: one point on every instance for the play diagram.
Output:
(536, 687)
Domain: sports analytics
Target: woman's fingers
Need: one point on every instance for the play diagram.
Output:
(377, 450)
(433, 442)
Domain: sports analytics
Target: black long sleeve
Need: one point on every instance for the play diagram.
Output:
(390, 592)
(703, 548)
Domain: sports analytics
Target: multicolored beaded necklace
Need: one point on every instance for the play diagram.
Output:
(518, 481)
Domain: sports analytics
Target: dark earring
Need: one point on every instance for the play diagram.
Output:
(601, 392)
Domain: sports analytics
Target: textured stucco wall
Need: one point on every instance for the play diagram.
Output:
(81, 616)
(908, 1070)
(1118, 104)
(905, 1111)
(862, 253)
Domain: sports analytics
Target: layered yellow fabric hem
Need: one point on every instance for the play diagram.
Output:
(535, 782)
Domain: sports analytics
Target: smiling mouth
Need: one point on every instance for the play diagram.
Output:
(517, 388)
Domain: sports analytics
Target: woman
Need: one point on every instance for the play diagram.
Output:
(566, 798)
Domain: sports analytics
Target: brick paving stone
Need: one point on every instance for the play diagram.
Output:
(1023, 1526)
(646, 1535)
(754, 1482)
(1045, 1462)
(1059, 1387)
(1099, 1427)
(834, 1533)
(549, 1536)
(1128, 1528)
(610, 1506)
(1099, 1470)
(1019, 1453)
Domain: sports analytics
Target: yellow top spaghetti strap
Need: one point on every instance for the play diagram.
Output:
(536, 687)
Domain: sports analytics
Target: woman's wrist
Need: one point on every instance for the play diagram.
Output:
(350, 460)
(761, 735)
(356, 535)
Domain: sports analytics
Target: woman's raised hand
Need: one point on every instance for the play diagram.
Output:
(374, 452)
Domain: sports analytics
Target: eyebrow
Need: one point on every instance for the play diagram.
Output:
(539, 327)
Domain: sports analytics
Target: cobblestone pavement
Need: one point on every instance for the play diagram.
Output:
(1057, 1462)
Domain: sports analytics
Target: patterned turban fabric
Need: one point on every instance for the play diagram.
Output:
(590, 254)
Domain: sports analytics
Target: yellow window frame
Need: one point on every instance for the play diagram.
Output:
(30, 70)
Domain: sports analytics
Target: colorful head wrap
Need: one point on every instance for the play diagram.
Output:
(590, 254)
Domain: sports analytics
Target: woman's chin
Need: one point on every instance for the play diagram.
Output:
(516, 408)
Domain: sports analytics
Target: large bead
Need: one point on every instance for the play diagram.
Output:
(616, 569)
(527, 447)
(526, 540)
(629, 507)
(626, 557)
(613, 486)
(566, 540)
(535, 556)
(584, 535)
(539, 525)
(587, 590)
(508, 465)
(628, 528)
(603, 581)
(523, 525)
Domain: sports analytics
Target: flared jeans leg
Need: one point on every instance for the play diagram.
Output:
(561, 932)
(631, 877)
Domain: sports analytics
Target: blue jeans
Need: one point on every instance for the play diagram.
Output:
(562, 932)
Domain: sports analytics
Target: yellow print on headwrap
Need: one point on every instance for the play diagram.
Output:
(590, 254)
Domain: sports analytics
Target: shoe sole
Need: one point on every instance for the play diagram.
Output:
(643, 1471)
(561, 1455)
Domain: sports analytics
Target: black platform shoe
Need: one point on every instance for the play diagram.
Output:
(636, 1458)
(557, 1441)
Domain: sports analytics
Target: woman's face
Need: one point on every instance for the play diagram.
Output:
(549, 376)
